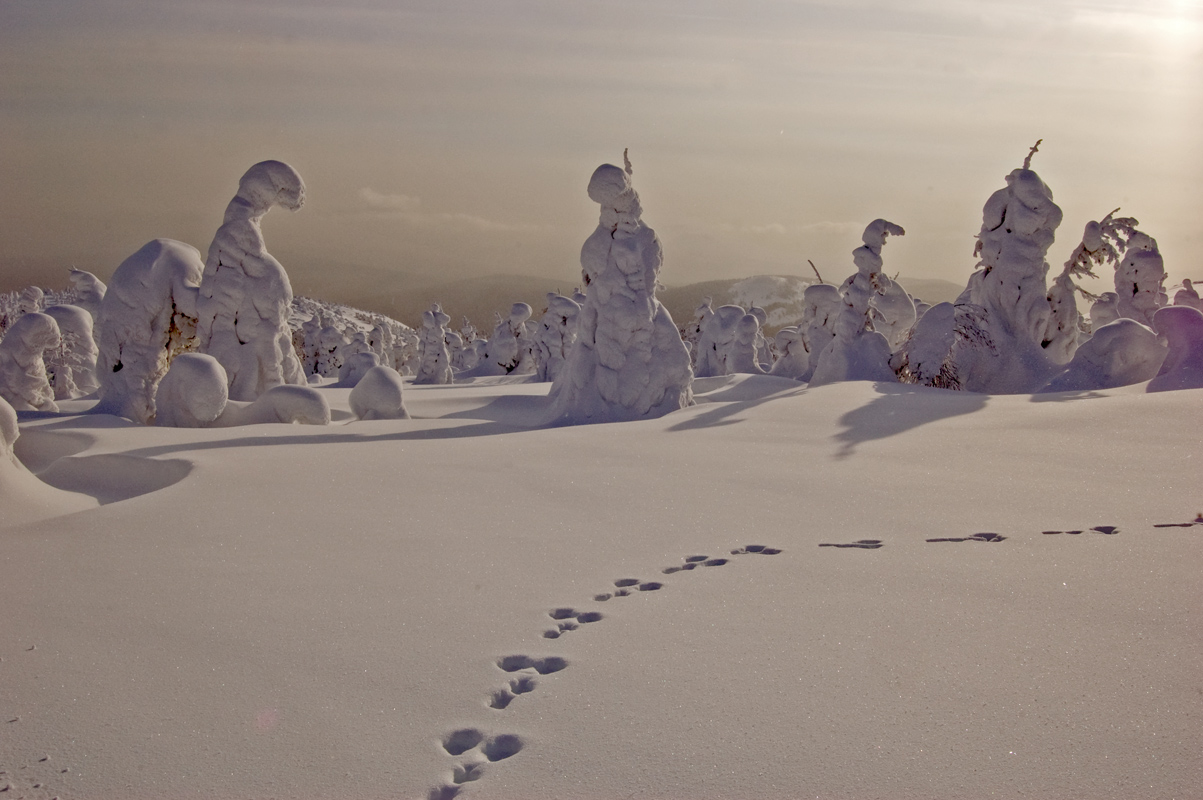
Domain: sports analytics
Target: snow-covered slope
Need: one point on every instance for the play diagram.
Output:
(973, 597)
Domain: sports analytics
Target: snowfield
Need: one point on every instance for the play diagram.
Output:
(778, 592)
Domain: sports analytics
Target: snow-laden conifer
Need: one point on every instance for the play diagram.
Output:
(436, 361)
(23, 379)
(245, 295)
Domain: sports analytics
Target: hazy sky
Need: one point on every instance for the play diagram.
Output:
(452, 137)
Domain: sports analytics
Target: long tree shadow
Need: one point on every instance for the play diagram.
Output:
(732, 399)
(899, 408)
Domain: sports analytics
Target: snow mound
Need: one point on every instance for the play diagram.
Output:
(23, 497)
(378, 395)
(1182, 327)
(193, 393)
(300, 405)
(1120, 353)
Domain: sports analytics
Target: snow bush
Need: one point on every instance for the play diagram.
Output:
(245, 296)
(1182, 327)
(628, 361)
(714, 341)
(742, 357)
(858, 352)
(792, 357)
(72, 365)
(436, 361)
(23, 379)
(378, 395)
(147, 317)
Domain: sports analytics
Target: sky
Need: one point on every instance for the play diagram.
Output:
(455, 138)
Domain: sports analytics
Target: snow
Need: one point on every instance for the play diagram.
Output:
(1120, 353)
(1139, 280)
(292, 611)
(72, 365)
(245, 295)
(193, 393)
(89, 291)
(628, 361)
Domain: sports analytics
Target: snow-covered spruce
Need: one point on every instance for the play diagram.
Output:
(245, 294)
(355, 367)
(435, 367)
(89, 291)
(147, 317)
(713, 350)
(692, 331)
(555, 335)
(1140, 280)
(32, 300)
(1120, 353)
(742, 357)
(378, 395)
(1019, 223)
(23, 379)
(821, 305)
(1188, 296)
(628, 361)
(792, 357)
(72, 365)
(858, 352)
(1182, 327)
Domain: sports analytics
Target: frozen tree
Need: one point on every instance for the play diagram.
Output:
(147, 317)
(329, 354)
(1019, 223)
(1104, 310)
(72, 365)
(23, 380)
(436, 362)
(1140, 280)
(510, 351)
(245, 295)
(692, 331)
(714, 341)
(1120, 353)
(311, 337)
(555, 335)
(89, 291)
(1182, 327)
(741, 353)
(628, 361)
(894, 312)
(192, 394)
(821, 305)
(792, 356)
(355, 367)
(859, 353)
(1102, 243)
(32, 300)
(378, 395)
(1188, 296)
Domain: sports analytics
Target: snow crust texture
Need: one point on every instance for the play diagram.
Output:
(628, 361)
(245, 295)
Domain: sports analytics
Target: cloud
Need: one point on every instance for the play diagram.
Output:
(408, 209)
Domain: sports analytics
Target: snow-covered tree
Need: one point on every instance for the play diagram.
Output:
(245, 295)
(23, 379)
(555, 335)
(742, 357)
(1019, 223)
(821, 305)
(378, 395)
(436, 362)
(1188, 296)
(926, 357)
(692, 332)
(1120, 353)
(1102, 243)
(714, 341)
(1104, 310)
(792, 356)
(72, 365)
(1182, 328)
(858, 352)
(628, 361)
(1140, 280)
(32, 300)
(147, 317)
(894, 312)
(89, 291)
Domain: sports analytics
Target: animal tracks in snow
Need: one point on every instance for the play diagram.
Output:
(977, 537)
(860, 544)
(1198, 521)
(478, 749)
(1107, 530)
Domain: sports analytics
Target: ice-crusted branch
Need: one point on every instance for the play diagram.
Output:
(1027, 162)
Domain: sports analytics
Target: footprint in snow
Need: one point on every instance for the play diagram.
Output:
(1197, 521)
(860, 544)
(494, 748)
(755, 549)
(977, 537)
(543, 666)
(1107, 530)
